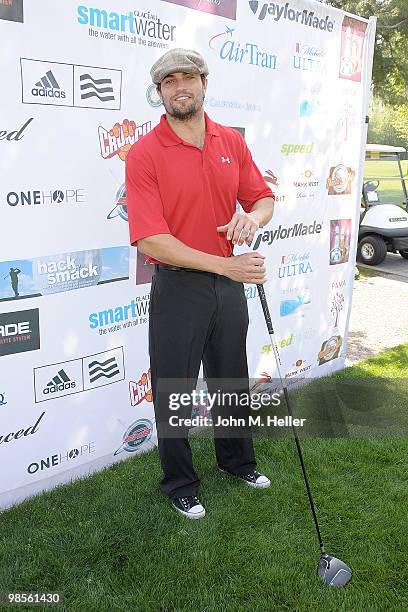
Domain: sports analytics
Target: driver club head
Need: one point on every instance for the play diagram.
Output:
(333, 572)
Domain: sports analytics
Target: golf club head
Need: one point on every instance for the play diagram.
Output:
(333, 572)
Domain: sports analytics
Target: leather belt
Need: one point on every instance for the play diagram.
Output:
(178, 268)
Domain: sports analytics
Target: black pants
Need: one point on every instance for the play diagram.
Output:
(194, 317)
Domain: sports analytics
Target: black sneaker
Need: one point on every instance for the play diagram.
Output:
(189, 506)
(253, 478)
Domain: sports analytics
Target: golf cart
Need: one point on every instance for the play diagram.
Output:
(383, 224)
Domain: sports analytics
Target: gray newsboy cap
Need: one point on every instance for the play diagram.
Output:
(178, 60)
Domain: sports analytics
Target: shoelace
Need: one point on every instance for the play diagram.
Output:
(184, 500)
(254, 475)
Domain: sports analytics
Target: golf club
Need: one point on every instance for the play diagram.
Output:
(331, 570)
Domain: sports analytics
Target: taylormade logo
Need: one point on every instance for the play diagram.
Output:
(278, 12)
(298, 229)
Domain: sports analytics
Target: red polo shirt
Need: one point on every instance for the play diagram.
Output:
(173, 187)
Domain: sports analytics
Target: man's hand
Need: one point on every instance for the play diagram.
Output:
(240, 229)
(246, 268)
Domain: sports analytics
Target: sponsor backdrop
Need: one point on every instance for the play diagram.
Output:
(75, 392)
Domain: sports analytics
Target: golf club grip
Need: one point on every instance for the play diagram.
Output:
(264, 303)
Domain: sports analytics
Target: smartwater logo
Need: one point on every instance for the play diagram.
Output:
(278, 12)
(119, 317)
(138, 27)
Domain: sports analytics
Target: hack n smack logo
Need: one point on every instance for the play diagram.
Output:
(27, 278)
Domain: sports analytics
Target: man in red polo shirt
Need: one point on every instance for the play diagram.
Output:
(183, 180)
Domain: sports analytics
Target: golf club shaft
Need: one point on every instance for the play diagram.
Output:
(269, 325)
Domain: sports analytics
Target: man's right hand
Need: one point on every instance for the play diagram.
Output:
(246, 268)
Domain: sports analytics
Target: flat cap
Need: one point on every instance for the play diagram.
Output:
(178, 60)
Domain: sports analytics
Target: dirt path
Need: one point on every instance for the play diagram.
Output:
(379, 315)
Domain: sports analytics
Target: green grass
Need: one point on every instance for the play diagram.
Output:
(390, 192)
(112, 541)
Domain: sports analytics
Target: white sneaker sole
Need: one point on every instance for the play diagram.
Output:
(261, 485)
(197, 515)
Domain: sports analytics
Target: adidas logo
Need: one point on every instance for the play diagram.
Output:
(107, 369)
(48, 87)
(60, 382)
(96, 88)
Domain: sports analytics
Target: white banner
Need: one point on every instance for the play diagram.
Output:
(293, 77)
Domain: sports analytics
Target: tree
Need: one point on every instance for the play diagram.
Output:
(390, 68)
(388, 124)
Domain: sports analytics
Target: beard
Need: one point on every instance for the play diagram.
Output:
(188, 112)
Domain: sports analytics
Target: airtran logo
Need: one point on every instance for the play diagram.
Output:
(278, 12)
(239, 52)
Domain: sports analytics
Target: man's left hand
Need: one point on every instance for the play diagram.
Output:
(240, 229)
